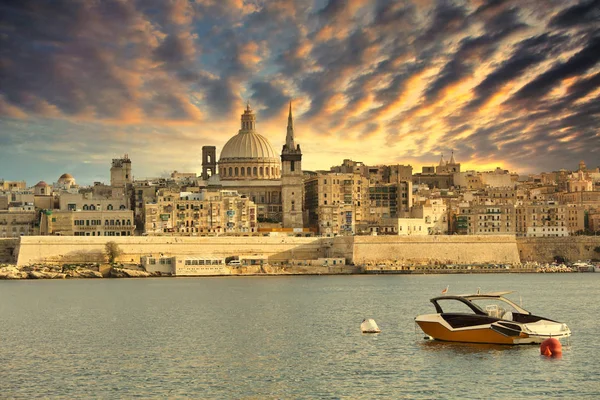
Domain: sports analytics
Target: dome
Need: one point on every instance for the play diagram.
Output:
(66, 180)
(41, 184)
(248, 145)
(249, 155)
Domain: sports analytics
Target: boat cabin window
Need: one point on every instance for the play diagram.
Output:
(496, 308)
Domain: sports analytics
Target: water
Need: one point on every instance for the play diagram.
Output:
(282, 337)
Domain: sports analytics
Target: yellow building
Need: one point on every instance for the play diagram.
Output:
(486, 219)
(11, 186)
(542, 219)
(87, 223)
(336, 202)
(18, 223)
(200, 214)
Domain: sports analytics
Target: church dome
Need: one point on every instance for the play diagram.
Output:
(66, 180)
(249, 155)
(248, 145)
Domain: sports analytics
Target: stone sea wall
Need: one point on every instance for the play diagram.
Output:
(429, 250)
(571, 248)
(357, 249)
(76, 249)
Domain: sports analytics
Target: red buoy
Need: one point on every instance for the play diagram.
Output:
(551, 348)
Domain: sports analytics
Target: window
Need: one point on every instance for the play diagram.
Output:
(243, 171)
(254, 172)
(236, 171)
(248, 171)
(261, 171)
(292, 166)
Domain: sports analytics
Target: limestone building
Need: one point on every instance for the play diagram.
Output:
(542, 219)
(121, 177)
(207, 213)
(12, 185)
(249, 165)
(87, 223)
(485, 219)
(18, 222)
(336, 202)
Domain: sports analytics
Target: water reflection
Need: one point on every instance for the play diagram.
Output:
(467, 348)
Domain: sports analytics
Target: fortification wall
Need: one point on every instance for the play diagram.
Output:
(7, 250)
(341, 246)
(571, 248)
(435, 249)
(355, 249)
(74, 249)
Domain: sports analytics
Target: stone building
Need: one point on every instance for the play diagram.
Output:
(249, 165)
(207, 213)
(485, 219)
(377, 174)
(10, 186)
(87, 223)
(121, 176)
(434, 213)
(440, 176)
(88, 202)
(18, 222)
(542, 219)
(580, 182)
(336, 202)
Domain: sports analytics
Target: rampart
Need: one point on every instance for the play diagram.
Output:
(429, 250)
(7, 250)
(355, 249)
(73, 249)
(570, 248)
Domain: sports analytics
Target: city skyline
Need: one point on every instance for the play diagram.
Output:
(500, 83)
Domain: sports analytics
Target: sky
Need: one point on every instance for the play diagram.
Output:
(501, 83)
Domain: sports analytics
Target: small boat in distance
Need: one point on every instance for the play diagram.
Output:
(487, 318)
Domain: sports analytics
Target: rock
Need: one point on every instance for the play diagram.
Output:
(88, 273)
(12, 272)
(128, 273)
(45, 275)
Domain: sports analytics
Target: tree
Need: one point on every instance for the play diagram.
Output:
(112, 251)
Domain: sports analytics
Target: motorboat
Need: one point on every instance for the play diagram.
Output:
(487, 318)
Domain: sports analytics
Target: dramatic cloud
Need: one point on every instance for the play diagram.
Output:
(501, 82)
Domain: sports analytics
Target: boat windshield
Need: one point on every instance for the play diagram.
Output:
(497, 307)
(451, 305)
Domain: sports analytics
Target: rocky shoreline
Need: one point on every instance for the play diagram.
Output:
(71, 271)
(93, 271)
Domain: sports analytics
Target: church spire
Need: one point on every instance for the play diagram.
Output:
(289, 138)
(442, 163)
(452, 159)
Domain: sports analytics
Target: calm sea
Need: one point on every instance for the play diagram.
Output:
(282, 337)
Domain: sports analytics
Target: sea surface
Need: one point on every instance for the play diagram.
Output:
(283, 337)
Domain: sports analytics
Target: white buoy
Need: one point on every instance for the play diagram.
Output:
(369, 326)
